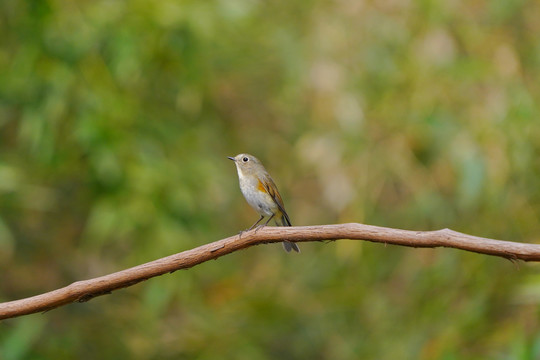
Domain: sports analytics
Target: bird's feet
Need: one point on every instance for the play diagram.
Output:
(255, 229)
(259, 227)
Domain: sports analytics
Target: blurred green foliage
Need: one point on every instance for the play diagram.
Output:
(116, 118)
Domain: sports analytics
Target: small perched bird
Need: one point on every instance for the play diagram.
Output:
(261, 193)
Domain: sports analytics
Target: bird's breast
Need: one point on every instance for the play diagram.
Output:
(256, 196)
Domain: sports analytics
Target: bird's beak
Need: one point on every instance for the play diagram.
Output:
(231, 158)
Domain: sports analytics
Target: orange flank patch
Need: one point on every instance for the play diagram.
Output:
(261, 187)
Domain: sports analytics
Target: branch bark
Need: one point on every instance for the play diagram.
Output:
(82, 291)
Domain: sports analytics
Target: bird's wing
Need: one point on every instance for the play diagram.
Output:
(271, 188)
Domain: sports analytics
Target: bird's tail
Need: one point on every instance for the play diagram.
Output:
(287, 245)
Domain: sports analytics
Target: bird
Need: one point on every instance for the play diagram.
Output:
(261, 194)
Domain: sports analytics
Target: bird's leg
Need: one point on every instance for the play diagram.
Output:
(258, 221)
(266, 223)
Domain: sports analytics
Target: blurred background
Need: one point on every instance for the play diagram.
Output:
(116, 118)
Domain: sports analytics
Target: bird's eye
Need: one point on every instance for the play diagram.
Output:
(245, 159)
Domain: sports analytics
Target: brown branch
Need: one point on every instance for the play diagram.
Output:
(85, 290)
